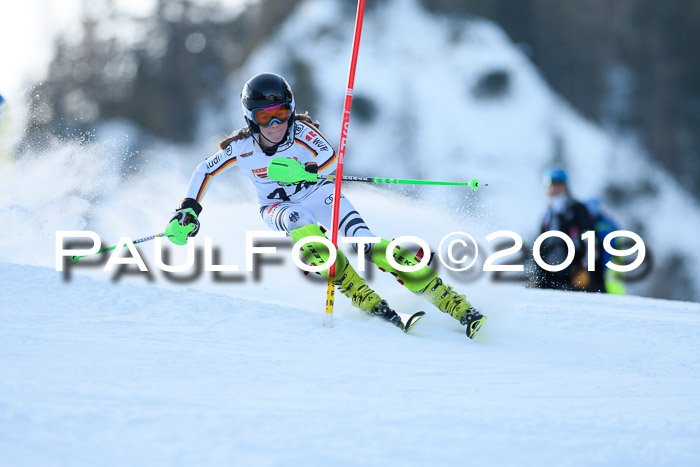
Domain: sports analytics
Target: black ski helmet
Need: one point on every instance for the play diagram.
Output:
(264, 90)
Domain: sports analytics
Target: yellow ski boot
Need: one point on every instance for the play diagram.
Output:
(347, 279)
(448, 301)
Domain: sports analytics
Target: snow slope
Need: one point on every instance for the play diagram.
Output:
(98, 373)
(419, 71)
(235, 369)
(505, 141)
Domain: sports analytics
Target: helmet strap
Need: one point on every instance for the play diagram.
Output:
(271, 150)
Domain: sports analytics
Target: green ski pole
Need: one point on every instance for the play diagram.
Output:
(75, 259)
(473, 183)
(286, 170)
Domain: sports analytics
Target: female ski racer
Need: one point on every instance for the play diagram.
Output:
(274, 130)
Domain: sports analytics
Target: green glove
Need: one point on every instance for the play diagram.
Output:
(184, 223)
(287, 171)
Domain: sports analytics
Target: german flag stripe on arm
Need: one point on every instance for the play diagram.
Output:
(225, 165)
(328, 163)
(309, 148)
(208, 177)
(203, 188)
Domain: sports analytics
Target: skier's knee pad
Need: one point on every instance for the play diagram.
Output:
(414, 280)
(317, 252)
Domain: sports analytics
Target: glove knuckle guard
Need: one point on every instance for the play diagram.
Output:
(184, 222)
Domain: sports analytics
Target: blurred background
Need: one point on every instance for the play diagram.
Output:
(119, 96)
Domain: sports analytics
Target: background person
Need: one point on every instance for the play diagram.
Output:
(569, 216)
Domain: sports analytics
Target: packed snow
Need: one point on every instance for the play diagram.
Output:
(103, 373)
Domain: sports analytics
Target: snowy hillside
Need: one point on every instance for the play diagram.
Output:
(96, 373)
(424, 121)
(421, 75)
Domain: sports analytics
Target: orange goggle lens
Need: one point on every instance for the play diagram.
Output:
(268, 115)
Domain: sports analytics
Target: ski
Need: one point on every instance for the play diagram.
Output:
(408, 321)
(474, 326)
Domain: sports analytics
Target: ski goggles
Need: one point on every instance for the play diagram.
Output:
(266, 116)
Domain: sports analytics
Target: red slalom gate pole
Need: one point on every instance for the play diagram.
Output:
(330, 294)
